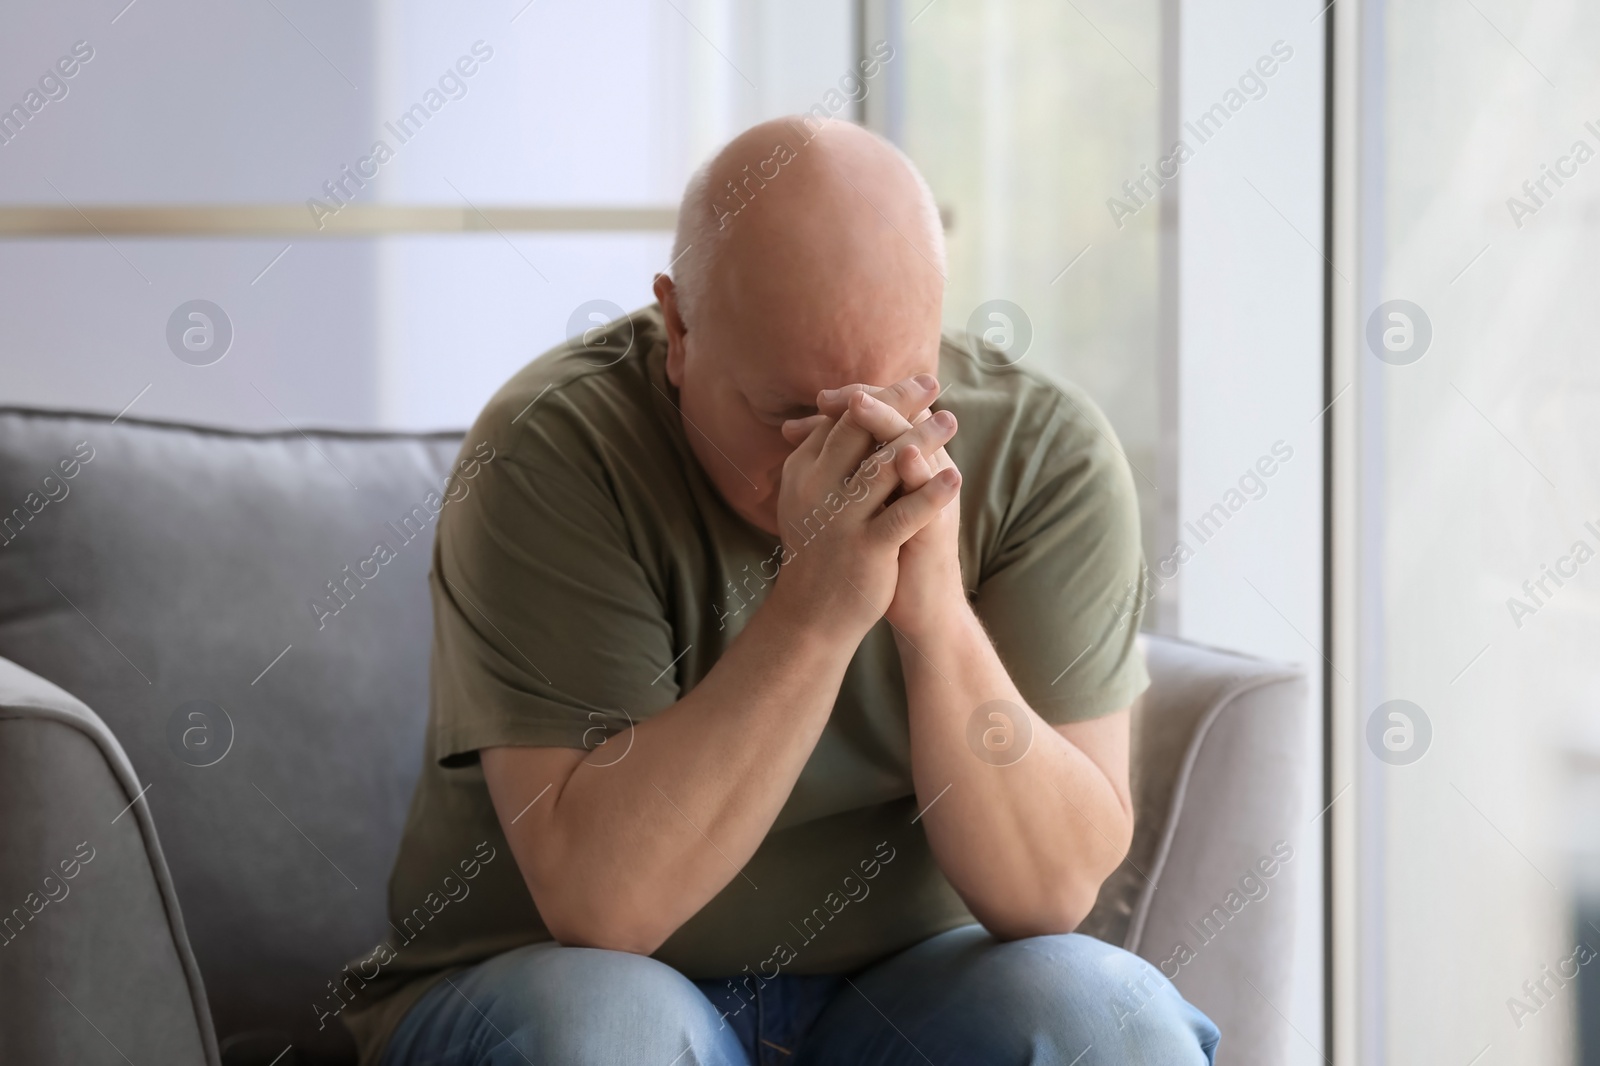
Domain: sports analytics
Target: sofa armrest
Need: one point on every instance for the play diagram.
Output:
(95, 966)
(1211, 891)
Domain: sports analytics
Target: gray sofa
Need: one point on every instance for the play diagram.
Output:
(201, 790)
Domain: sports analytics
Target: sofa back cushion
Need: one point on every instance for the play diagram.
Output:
(177, 581)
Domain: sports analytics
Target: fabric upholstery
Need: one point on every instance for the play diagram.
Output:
(180, 563)
(78, 935)
(1243, 799)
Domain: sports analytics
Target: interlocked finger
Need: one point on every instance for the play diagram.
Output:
(796, 430)
(903, 518)
(907, 396)
(881, 469)
(914, 468)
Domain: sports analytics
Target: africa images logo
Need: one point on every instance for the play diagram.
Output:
(199, 332)
(1399, 332)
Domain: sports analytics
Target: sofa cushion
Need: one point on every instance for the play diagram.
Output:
(156, 584)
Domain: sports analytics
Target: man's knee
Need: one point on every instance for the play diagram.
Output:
(585, 1005)
(1041, 999)
(1075, 991)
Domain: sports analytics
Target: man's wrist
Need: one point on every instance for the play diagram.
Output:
(808, 615)
(948, 618)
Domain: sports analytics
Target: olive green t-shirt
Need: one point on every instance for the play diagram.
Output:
(591, 576)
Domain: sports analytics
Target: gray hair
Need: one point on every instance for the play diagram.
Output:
(700, 234)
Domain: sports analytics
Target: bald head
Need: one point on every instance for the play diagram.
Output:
(808, 256)
(830, 208)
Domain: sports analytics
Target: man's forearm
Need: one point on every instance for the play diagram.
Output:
(1028, 842)
(628, 848)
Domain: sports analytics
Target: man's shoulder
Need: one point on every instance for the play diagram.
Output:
(602, 373)
(1015, 410)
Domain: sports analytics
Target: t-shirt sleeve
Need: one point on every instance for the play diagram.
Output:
(547, 629)
(1062, 594)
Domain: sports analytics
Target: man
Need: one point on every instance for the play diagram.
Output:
(749, 742)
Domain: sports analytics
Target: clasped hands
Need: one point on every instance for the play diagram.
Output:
(868, 507)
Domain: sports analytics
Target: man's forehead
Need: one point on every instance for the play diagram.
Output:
(775, 382)
(782, 387)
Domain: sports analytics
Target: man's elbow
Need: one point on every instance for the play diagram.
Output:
(1052, 913)
(588, 926)
(605, 938)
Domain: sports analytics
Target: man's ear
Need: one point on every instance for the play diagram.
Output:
(667, 297)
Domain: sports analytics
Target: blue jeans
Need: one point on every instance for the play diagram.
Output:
(957, 998)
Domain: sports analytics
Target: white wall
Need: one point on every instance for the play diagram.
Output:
(187, 102)
(612, 103)
(1250, 379)
(607, 104)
